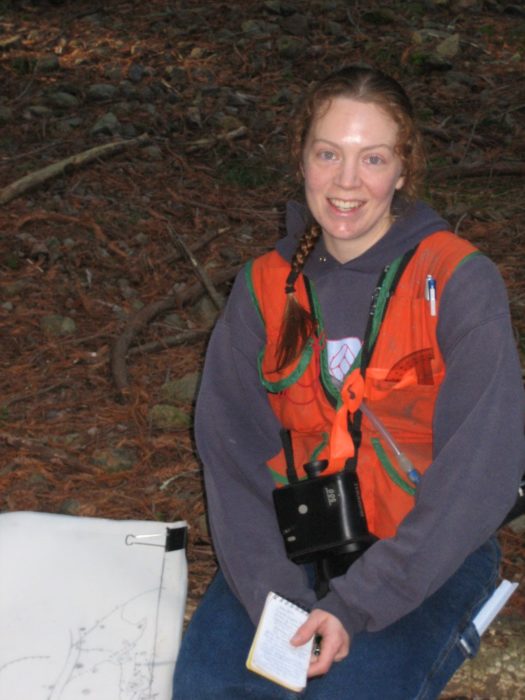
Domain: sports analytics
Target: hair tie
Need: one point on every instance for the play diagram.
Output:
(289, 287)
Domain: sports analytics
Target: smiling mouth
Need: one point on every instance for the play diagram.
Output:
(345, 205)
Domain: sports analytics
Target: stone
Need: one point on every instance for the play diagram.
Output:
(518, 525)
(63, 100)
(180, 390)
(6, 114)
(295, 24)
(166, 417)
(152, 153)
(136, 72)
(47, 64)
(206, 312)
(448, 48)
(101, 91)
(57, 325)
(290, 47)
(106, 124)
(40, 111)
(115, 459)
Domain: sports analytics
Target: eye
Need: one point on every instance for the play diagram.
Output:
(326, 155)
(374, 159)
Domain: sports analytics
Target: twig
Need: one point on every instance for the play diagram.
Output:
(64, 218)
(38, 177)
(143, 316)
(206, 143)
(170, 341)
(201, 272)
(33, 394)
(482, 170)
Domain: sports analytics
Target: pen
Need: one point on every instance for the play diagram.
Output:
(430, 293)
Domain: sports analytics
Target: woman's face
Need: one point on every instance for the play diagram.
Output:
(351, 173)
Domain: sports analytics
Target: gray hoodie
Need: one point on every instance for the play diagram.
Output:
(478, 451)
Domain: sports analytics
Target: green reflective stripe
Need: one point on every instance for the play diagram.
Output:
(326, 377)
(392, 473)
(278, 478)
(474, 254)
(382, 299)
(282, 384)
(319, 448)
(249, 282)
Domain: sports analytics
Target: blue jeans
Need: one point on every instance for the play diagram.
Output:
(412, 659)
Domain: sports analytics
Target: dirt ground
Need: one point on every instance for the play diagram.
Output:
(132, 133)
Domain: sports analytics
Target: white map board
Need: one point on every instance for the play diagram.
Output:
(90, 609)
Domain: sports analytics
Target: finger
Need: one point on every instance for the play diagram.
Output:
(305, 632)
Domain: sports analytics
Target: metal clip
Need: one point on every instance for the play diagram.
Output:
(137, 539)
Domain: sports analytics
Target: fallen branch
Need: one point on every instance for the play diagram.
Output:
(200, 271)
(208, 142)
(64, 218)
(482, 170)
(170, 341)
(38, 177)
(143, 316)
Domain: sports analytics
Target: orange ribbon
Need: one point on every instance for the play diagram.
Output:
(341, 443)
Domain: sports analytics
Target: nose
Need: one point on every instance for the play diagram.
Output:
(348, 175)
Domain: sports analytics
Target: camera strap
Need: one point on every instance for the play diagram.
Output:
(286, 440)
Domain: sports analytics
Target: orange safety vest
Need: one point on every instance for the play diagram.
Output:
(400, 385)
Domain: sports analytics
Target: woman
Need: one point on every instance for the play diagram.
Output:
(369, 332)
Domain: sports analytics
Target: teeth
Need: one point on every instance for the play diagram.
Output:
(343, 204)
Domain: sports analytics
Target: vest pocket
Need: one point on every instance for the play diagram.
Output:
(387, 465)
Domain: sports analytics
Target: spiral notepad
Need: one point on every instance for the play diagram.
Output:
(271, 654)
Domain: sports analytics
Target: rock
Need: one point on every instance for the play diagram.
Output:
(180, 390)
(57, 325)
(518, 525)
(15, 288)
(129, 91)
(290, 47)
(152, 153)
(172, 320)
(69, 507)
(101, 91)
(277, 7)
(6, 114)
(63, 100)
(206, 312)
(115, 459)
(380, 16)
(254, 26)
(295, 24)
(448, 48)
(113, 73)
(337, 29)
(107, 124)
(40, 111)
(136, 72)
(47, 64)
(166, 417)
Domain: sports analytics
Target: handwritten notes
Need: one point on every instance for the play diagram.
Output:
(271, 654)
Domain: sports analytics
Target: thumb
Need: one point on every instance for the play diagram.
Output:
(305, 632)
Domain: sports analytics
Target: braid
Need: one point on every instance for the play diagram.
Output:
(298, 324)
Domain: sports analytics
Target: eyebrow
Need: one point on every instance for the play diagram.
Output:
(365, 148)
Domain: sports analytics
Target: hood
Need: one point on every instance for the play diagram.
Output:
(414, 222)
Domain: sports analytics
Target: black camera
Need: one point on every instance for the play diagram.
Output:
(322, 519)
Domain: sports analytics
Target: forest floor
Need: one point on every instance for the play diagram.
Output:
(174, 116)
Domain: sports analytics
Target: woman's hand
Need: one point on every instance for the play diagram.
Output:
(335, 640)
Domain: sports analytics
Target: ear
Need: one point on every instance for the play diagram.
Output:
(400, 182)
